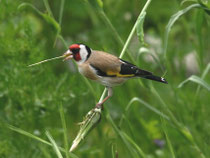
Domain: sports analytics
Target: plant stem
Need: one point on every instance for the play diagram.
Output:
(54, 145)
(108, 22)
(63, 41)
(61, 12)
(117, 36)
(46, 3)
(133, 29)
(103, 95)
(44, 61)
(63, 121)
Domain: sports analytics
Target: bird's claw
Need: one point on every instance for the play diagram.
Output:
(99, 106)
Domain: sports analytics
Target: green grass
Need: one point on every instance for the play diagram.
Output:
(54, 97)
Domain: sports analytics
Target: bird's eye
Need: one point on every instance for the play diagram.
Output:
(75, 50)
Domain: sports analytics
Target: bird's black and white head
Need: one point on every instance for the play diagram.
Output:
(79, 52)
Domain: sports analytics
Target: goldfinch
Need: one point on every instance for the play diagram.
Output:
(105, 68)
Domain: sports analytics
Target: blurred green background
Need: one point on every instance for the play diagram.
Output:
(30, 97)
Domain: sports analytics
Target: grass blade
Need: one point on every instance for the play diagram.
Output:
(198, 28)
(147, 106)
(139, 150)
(20, 131)
(140, 28)
(171, 22)
(124, 140)
(150, 107)
(185, 1)
(47, 6)
(197, 80)
(205, 72)
(167, 138)
(90, 87)
(146, 51)
(114, 152)
(133, 29)
(61, 12)
(64, 129)
(49, 19)
(55, 147)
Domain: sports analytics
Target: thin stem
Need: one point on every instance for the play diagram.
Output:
(117, 36)
(63, 41)
(63, 121)
(102, 96)
(90, 87)
(46, 3)
(133, 29)
(44, 61)
(61, 12)
(106, 19)
(54, 145)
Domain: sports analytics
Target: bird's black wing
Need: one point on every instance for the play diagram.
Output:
(101, 73)
(130, 69)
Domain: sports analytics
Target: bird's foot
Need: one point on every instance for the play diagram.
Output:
(99, 106)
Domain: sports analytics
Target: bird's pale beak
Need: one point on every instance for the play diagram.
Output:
(68, 55)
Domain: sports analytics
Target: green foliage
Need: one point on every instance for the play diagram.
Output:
(139, 28)
(32, 99)
(173, 19)
(197, 80)
(55, 146)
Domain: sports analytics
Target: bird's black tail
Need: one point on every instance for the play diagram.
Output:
(155, 78)
(150, 76)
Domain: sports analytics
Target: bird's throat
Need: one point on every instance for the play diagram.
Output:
(77, 57)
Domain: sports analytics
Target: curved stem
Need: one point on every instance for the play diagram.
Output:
(133, 29)
(61, 11)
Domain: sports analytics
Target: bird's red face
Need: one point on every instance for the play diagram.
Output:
(73, 52)
(79, 52)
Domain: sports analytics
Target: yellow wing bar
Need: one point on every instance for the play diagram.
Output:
(111, 73)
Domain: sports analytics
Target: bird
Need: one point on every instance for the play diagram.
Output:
(106, 69)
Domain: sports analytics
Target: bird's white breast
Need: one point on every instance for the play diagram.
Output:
(111, 81)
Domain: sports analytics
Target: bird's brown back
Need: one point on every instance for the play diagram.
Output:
(104, 61)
